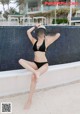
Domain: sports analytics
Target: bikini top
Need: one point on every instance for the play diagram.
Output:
(41, 48)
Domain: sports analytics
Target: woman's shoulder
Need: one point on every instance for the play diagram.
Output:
(47, 38)
(34, 41)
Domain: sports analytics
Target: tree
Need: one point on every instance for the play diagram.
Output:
(0, 12)
(7, 2)
(13, 11)
(20, 2)
(4, 2)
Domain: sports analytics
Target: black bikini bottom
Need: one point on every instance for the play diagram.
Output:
(39, 64)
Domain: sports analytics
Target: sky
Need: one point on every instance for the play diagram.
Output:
(11, 5)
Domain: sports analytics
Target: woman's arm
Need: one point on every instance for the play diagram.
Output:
(32, 39)
(51, 39)
(29, 31)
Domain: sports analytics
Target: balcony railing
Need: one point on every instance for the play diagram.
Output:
(46, 8)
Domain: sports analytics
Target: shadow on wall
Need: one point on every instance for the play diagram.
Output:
(14, 44)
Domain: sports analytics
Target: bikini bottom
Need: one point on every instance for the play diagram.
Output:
(39, 64)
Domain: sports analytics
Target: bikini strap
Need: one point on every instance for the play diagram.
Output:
(35, 42)
(45, 45)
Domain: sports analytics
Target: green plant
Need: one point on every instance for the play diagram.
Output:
(59, 21)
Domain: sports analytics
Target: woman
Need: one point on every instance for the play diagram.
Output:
(40, 64)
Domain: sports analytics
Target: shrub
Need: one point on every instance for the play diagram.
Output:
(59, 21)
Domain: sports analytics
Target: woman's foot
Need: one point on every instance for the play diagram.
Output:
(27, 105)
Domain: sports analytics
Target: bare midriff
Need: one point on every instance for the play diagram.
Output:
(40, 56)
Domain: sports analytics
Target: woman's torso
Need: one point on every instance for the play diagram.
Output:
(40, 56)
(40, 52)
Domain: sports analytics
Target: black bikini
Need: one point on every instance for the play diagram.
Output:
(42, 48)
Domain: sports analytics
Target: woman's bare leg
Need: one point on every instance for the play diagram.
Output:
(32, 89)
(28, 65)
(33, 67)
(41, 70)
(36, 73)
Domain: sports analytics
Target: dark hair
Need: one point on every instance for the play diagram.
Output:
(40, 31)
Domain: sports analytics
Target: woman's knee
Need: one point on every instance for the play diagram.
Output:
(20, 60)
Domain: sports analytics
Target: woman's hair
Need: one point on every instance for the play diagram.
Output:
(40, 31)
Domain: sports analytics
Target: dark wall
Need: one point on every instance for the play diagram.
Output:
(14, 44)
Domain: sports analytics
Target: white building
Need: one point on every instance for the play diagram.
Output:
(31, 7)
(36, 6)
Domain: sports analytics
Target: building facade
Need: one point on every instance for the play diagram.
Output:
(36, 6)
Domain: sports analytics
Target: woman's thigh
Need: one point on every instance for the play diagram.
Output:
(43, 69)
(32, 64)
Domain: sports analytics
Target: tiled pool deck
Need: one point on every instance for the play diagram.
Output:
(57, 100)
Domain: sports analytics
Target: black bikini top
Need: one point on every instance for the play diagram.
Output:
(41, 48)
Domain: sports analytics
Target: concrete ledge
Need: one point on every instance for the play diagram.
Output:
(18, 81)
